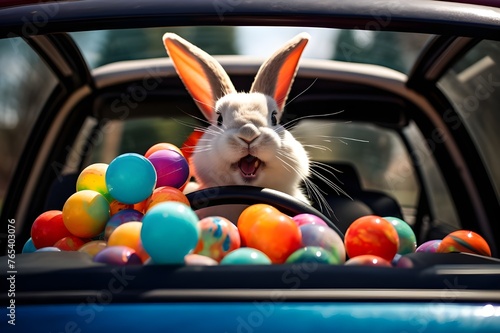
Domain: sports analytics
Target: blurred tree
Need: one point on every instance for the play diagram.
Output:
(371, 47)
(25, 83)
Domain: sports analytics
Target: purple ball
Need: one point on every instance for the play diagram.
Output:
(429, 246)
(172, 169)
(305, 218)
(324, 237)
(123, 216)
(118, 255)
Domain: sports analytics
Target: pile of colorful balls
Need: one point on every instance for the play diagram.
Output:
(133, 212)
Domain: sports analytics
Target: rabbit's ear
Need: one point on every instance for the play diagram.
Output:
(203, 76)
(275, 76)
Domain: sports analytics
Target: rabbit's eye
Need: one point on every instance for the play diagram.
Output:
(219, 119)
(274, 120)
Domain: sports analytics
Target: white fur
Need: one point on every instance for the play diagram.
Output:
(248, 115)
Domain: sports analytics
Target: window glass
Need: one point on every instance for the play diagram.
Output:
(25, 84)
(378, 154)
(395, 50)
(472, 85)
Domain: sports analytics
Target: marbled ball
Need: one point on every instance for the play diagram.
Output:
(218, 236)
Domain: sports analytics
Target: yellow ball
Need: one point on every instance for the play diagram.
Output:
(93, 178)
(85, 213)
(92, 248)
(129, 234)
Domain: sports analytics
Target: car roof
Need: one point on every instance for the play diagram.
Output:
(437, 17)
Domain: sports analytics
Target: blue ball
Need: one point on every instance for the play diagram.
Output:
(169, 232)
(246, 256)
(130, 178)
(29, 247)
(49, 249)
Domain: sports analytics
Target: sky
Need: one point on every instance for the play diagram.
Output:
(263, 41)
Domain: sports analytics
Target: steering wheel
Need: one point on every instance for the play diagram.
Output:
(249, 195)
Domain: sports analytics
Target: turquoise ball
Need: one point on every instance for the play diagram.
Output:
(169, 232)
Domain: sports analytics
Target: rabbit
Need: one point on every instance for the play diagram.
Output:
(244, 143)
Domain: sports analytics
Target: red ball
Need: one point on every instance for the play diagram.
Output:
(371, 235)
(48, 228)
(464, 241)
(70, 243)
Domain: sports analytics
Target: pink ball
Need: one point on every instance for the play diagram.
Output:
(305, 218)
(172, 169)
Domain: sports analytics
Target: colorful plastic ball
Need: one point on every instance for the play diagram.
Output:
(218, 236)
(29, 247)
(164, 194)
(171, 167)
(305, 218)
(129, 234)
(48, 249)
(401, 261)
(93, 178)
(464, 241)
(118, 255)
(199, 260)
(371, 235)
(162, 146)
(116, 206)
(317, 235)
(130, 178)
(249, 216)
(368, 260)
(277, 235)
(169, 232)
(85, 213)
(246, 256)
(407, 238)
(92, 248)
(429, 246)
(70, 243)
(48, 228)
(124, 216)
(313, 254)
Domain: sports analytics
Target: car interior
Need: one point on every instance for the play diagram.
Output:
(413, 144)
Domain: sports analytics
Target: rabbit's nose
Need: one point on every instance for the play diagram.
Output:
(248, 133)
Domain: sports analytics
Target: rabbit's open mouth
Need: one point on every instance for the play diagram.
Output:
(249, 165)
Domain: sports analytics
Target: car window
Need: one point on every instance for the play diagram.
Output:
(25, 84)
(472, 85)
(138, 135)
(394, 50)
(378, 154)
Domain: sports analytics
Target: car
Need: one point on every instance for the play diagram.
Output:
(395, 103)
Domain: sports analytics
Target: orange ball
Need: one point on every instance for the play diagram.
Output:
(374, 235)
(464, 241)
(115, 206)
(162, 146)
(165, 193)
(277, 235)
(129, 234)
(251, 215)
(141, 206)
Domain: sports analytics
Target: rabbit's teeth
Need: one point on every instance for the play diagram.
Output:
(249, 165)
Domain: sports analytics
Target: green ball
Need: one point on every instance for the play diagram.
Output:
(313, 254)
(246, 256)
(407, 239)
